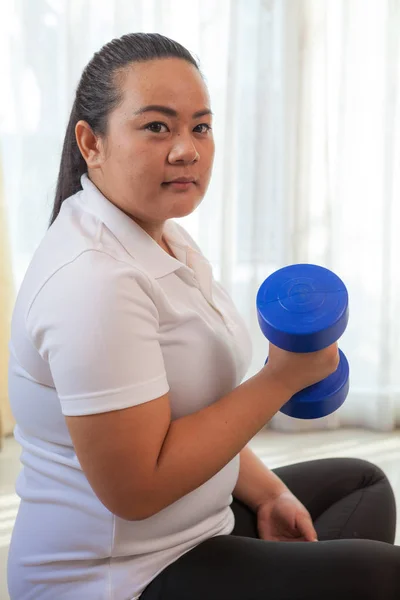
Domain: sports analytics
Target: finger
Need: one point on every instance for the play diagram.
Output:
(306, 527)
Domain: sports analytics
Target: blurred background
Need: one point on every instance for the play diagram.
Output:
(306, 99)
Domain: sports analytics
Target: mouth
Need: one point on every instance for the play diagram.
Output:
(180, 184)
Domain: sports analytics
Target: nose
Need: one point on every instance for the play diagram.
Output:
(183, 150)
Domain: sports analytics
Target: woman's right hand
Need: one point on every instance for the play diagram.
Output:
(295, 371)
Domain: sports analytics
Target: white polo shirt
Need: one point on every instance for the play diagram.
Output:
(105, 319)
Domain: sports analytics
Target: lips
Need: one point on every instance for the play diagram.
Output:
(179, 185)
(182, 179)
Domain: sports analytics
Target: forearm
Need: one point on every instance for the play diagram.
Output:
(199, 445)
(256, 482)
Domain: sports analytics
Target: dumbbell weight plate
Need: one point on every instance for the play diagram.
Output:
(302, 308)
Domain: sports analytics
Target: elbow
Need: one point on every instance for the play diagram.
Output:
(137, 516)
(136, 511)
(133, 514)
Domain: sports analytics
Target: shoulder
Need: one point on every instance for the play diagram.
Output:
(91, 283)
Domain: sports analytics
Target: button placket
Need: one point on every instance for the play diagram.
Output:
(198, 270)
(203, 268)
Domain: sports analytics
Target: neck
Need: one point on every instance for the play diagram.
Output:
(154, 230)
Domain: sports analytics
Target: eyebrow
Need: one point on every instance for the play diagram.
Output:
(170, 112)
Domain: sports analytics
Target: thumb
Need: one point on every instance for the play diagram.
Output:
(306, 527)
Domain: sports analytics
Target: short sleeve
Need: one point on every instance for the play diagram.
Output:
(96, 324)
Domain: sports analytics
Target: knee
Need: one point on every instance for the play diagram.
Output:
(368, 472)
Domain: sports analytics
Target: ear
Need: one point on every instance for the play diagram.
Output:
(89, 144)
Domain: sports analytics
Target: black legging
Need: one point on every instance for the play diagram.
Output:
(353, 509)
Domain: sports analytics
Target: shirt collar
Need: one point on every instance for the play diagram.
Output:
(139, 244)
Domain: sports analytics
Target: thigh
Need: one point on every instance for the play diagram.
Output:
(241, 568)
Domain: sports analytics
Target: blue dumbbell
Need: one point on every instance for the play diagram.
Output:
(304, 308)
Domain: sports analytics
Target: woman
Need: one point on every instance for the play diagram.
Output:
(126, 358)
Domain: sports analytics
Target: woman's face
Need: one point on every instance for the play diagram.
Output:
(160, 132)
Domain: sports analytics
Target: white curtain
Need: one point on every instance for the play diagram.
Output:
(307, 127)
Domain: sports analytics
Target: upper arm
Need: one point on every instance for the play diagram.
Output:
(96, 325)
(118, 451)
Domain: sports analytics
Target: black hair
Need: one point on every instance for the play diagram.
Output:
(97, 94)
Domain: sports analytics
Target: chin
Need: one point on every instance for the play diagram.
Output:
(183, 210)
(178, 214)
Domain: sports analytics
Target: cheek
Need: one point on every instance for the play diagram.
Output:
(208, 165)
(134, 161)
(143, 171)
(209, 152)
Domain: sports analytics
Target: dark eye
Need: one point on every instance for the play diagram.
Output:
(155, 127)
(207, 128)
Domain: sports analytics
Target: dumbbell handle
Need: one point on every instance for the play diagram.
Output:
(333, 390)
